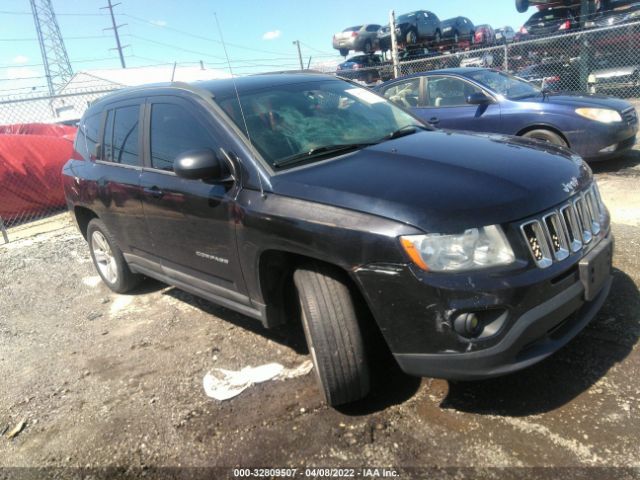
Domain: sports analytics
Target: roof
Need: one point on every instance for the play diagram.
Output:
(222, 88)
(226, 87)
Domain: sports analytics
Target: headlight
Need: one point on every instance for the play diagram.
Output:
(603, 115)
(474, 249)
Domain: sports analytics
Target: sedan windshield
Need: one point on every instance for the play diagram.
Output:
(504, 84)
(304, 122)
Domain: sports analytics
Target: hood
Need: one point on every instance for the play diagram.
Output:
(576, 100)
(443, 181)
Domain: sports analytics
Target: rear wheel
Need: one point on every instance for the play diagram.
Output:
(456, 38)
(438, 38)
(412, 38)
(522, 5)
(108, 259)
(368, 48)
(333, 334)
(546, 136)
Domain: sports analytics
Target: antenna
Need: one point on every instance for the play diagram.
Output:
(235, 87)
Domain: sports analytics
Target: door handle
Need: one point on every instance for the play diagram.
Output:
(433, 121)
(154, 192)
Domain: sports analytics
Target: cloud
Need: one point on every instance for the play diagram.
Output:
(158, 23)
(272, 35)
(20, 59)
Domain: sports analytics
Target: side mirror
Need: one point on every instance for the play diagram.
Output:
(479, 98)
(199, 165)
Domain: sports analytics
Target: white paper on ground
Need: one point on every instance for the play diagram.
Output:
(223, 384)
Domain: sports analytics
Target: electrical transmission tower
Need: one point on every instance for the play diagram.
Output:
(54, 54)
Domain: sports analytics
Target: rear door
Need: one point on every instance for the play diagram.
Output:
(445, 106)
(191, 222)
(116, 174)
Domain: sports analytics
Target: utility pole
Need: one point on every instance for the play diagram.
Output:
(54, 54)
(394, 44)
(115, 31)
(297, 43)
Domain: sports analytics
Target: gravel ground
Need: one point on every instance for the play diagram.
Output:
(105, 380)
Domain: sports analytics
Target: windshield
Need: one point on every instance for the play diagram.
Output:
(287, 121)
(511, 87)
(406, 18)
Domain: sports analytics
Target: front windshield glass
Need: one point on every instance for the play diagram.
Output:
(291, 120)
(502, 83)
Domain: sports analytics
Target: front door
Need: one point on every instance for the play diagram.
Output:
(191, 222)
(445, 106)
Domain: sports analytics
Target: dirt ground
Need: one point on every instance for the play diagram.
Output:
(105, 380)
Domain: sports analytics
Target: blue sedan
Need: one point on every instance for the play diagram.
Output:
(486, 100)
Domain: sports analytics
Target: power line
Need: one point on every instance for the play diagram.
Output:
(7, 12)
(30, 39)
(200, 37)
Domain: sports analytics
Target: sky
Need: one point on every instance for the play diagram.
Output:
(259, 34)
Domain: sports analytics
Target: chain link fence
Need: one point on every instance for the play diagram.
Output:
(36, 140)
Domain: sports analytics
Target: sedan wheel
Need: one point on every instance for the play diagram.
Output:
(546, 136)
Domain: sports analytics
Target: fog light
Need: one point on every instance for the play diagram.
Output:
(467, 324)
(610, 148)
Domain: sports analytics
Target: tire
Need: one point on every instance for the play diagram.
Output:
(108, 259)
(411, 38)
(344, 52)
(333, 335)
(437, 38)
(545, 135)
(522, 5)
(456, 38)
(472, 38)
(368, 48)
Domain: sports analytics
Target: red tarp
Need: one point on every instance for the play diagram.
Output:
(31, 160)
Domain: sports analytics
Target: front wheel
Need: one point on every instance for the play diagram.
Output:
(108, 259)
(546, 136)
(344, 52)
(333, 334)
(368, 47)
(438, 38)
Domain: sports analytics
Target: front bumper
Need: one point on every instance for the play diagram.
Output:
(590, 143)
(536, 335)
(540, 310)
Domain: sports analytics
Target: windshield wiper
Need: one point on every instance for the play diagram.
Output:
(406, 130)
(318, 152)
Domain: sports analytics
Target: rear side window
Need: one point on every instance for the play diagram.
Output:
(174, 130)
(373, 28)
(87, 136)
(121, 136)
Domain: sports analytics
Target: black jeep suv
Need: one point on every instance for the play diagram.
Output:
(303, 196)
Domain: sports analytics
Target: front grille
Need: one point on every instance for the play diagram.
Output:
(555, 235)
(630, 116)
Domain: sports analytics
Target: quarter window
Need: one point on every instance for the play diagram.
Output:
(87, 136)
(174, 131)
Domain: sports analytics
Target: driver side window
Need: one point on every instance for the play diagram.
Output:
(448, 92)
(406, 94)
(174, 130)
